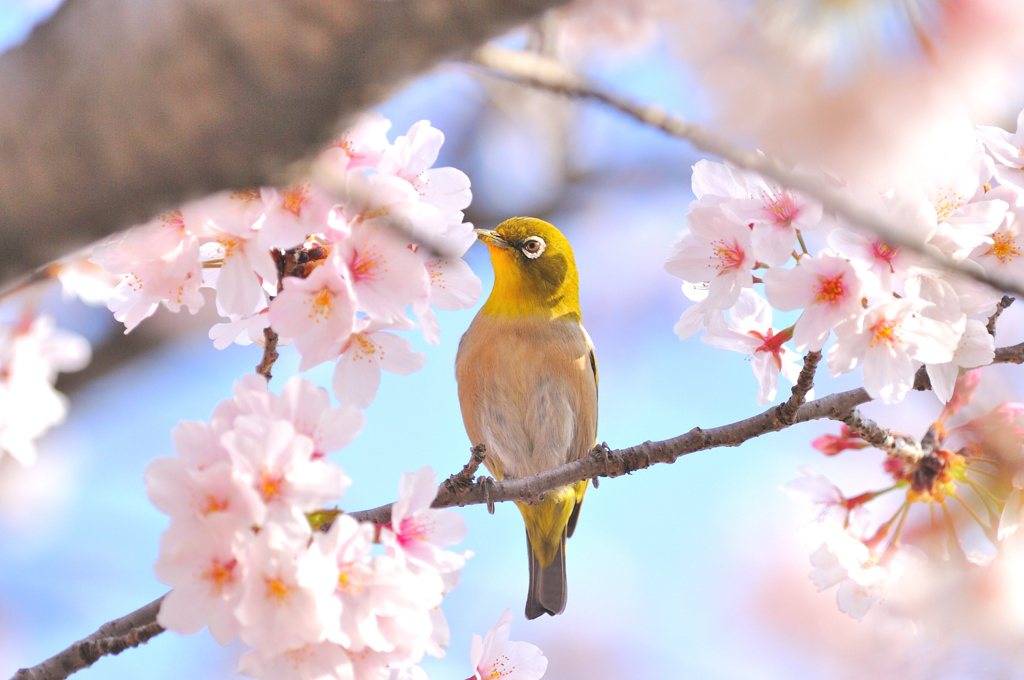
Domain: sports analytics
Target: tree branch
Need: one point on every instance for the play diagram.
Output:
(116, 109)
(1000, 308)
(461, 489)
(787, 410)
(111, 638)
(533, 70)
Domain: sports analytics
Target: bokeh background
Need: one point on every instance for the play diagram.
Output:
(693, 570)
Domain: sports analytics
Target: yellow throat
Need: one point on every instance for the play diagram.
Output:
(534, 271)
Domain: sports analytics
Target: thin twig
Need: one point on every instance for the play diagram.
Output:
(463, 479)
(786, 411)
(533, 70)
(270, 354)
(906, 448)
(1003, 304)
(111, 638)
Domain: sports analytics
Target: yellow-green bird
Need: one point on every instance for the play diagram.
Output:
(528, 387)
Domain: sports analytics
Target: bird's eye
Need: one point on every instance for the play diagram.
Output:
(533, 247)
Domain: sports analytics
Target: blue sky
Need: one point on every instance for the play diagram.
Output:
(688, 570)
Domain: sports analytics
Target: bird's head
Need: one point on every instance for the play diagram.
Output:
(534, 270)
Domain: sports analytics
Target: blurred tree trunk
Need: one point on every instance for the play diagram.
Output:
(116, 109)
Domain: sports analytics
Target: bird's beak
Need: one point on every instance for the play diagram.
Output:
(491, 238)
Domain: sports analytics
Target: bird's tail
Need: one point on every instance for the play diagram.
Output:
(546, 528)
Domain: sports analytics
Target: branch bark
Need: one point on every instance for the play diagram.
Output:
(533, 70)
(114, 110)
(111, 638)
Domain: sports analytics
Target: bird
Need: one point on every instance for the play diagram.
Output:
(527, 382)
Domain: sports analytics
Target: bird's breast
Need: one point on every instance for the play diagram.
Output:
(528, 392)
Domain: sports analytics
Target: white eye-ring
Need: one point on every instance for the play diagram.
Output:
(533, 247)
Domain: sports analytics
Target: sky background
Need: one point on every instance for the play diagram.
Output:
(693, 570)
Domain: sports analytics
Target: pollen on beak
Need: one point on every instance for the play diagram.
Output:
(491, 238)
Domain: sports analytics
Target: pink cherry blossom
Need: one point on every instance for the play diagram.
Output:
(411, 157)
(363, 145)
(206, 565)
(228, 227)
(889, 339)
(386, 274)
(716, 250)
(750, 331)
(197, 495)
(316, 661)
(418, 533)
(496, 658)
(32, 352)
(241, 330)
(284, 592)
(357, 374)
(294, 212)
(826, 287)
(318, 312)
(158, 262)
(278, 463)
(775, 215)
(832, 506)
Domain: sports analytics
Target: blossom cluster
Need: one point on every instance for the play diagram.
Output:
(252, 554)
(330, 265)
(960, 473)
(890, 310)
(32, 351)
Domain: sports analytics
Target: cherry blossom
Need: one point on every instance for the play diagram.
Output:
(418, 533)
(283, 593)
(316, 661)
(750, 331)
(887, 265)
(888, 340)
(1007, 148)
(158, 263)
(357, 374)
(363, 145)
(228, 227)
(318, 312)
(32, 352)
(205, 565)
(976, 347)
(278, 463)
(832, 445)
(496, 658)
(826, 287)
(386, 275)
(716, 250)
(411, 157)
(775, 215)
(833, 507)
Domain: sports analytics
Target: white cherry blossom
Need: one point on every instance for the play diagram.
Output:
(826, 287)
(496, 658)
(775, 214)
(889, 339)
(32, 352)
(1007, 148)
(716, 250)
(357, 374)
(750, 331)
